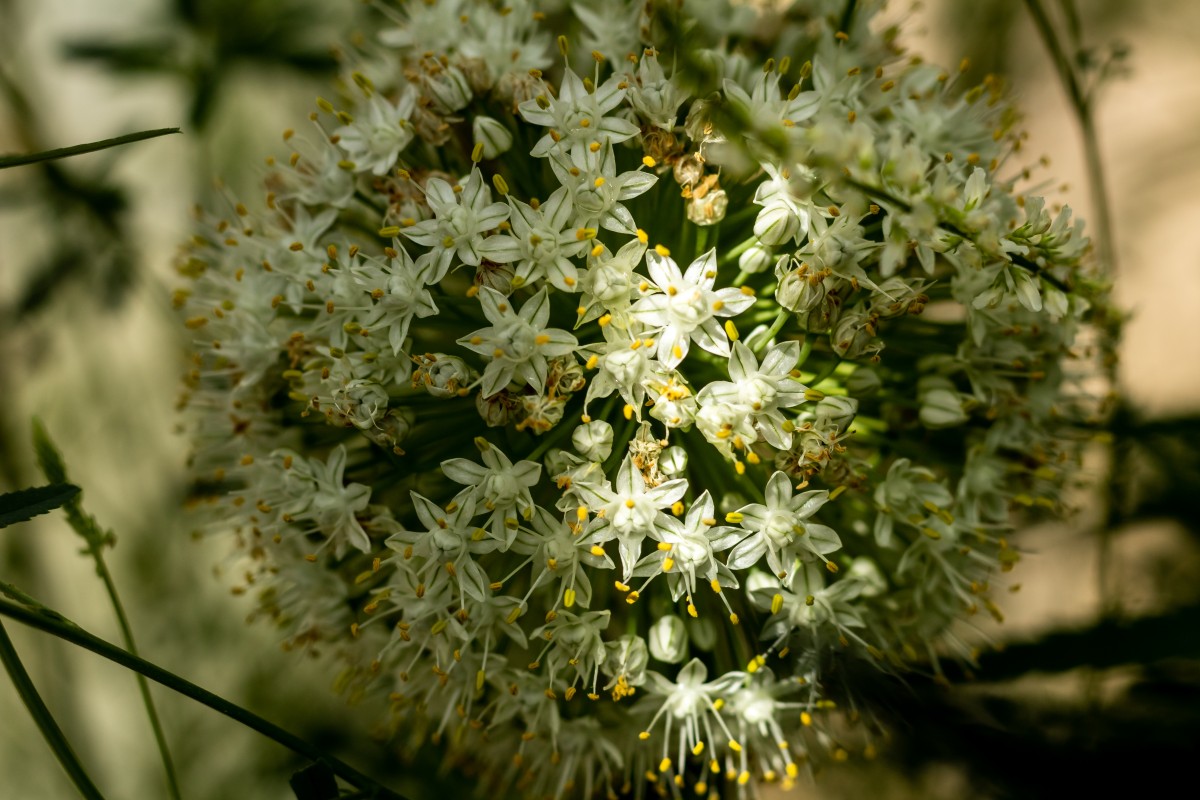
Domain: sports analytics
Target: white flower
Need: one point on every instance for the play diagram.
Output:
(686, 550)
(577, 117)
(686, 307)
(373, 141)
(690, 703)
(336, 505)
(654, 96)
(611, 284)
(598, 192)
(460, 220)
(499, 486)
(760, 391)
(781, 529)
(542, 242)
(628, 510)
(558, 551)
(518, 344)
(398, 293)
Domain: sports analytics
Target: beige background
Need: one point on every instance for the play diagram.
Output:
(106, 383)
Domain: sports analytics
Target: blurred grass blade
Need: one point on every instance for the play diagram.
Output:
(55, 625)
(97, 538)
(28, 503)
(45, 722)
(79, 149)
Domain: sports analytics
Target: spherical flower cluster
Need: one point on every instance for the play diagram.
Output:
(599, 378)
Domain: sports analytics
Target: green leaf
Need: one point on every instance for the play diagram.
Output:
(45, 721)
(49, 459)
(28, 503)
(79, 149)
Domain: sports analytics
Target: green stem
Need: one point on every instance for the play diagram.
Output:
(80, 149)
(160, 738)
(77, 636)
(762, 340)
(45, 722)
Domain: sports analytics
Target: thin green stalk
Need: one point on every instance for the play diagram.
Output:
(96, 539)
(765, 337)
(160, 738)
(44, 720)
(80, 149)
(75, 635)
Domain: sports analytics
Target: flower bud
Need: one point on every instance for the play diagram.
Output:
(627, 657)
(797, 293)
(448, 89)
(867, 574)
(497, 410)
(837, 410)
(673, 461)
(446, 375)
(776, 224)
(942, 408)
(854, 336)
(593, 440)
(756, 258)
(668, 639)
(709, 209)
(493, 134)
(863, 381)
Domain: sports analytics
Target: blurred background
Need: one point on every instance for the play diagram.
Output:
(1097, 685)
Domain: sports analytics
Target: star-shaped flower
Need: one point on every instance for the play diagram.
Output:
(686, 308)
(460, 220)
(518, 343)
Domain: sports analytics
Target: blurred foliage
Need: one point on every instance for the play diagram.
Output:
(206, 42)
(1010, 743)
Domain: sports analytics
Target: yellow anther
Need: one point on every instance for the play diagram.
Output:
(642, 236)
(743, 778)
(512, 615)
(598, 551)
(627, 411)
(776, 603)
(677, 507)
(718, 305)
(665, 546)
(620, 586)
(661, 250)
(805, 719)
(597, 251)
(477, 152)
(569, 600)
(604, 320)
(731, 331)
(664, 765)
(715, 586)
(698, 749)
(541, 338)
(668, 564)
(734, 618)
(692, 612)
(500, 184)
(592, 361)
(644, 735)
(734, 517)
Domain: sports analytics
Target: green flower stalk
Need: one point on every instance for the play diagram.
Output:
(590, 404)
